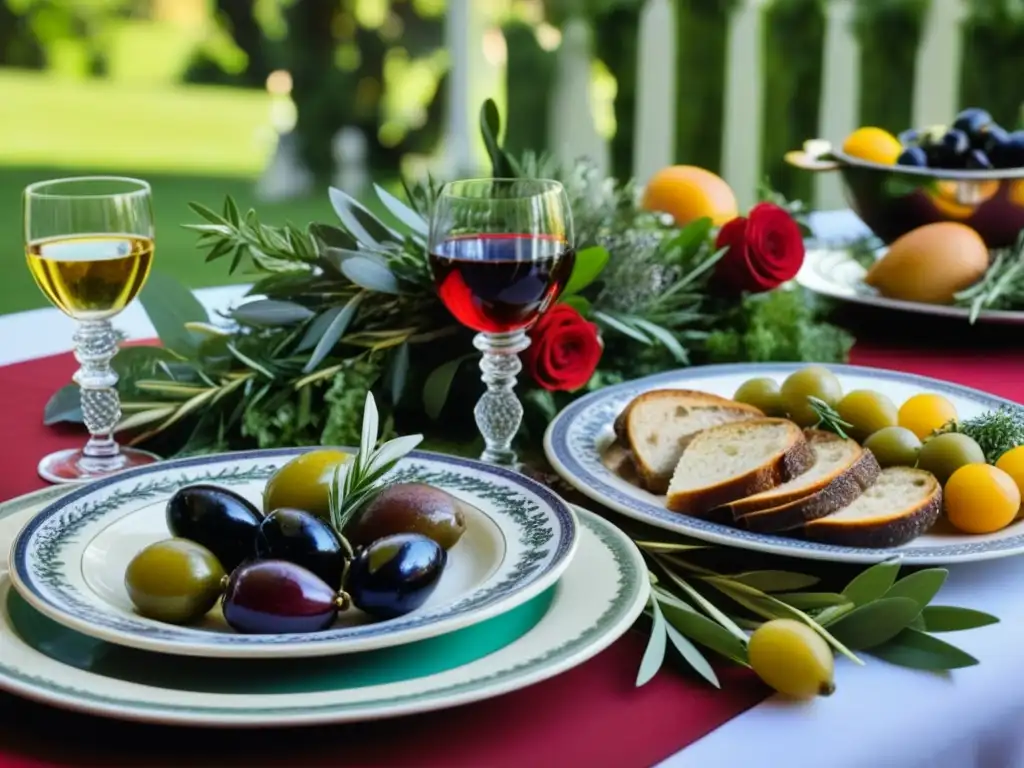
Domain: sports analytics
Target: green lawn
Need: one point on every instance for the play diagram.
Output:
(192, 143)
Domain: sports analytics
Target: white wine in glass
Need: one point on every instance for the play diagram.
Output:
(89, 242)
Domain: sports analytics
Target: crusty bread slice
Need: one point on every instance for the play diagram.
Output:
(658, 426)
(732, 461)
(902, 504)
(685, 394)
(617, 459)
(833, 455)
(845, 486)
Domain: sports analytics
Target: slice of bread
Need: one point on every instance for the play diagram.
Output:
(732, 461)
(846, 485)
(618, 460)
(902, 504)
(658, 426)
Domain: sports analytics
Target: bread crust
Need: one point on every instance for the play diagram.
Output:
(649, 479)
(839, 492)
(893, 532)
(753, 504)
(792, 460)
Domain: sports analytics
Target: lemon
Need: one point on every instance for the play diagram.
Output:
(792, 658)
(874, 145)
(688, 193)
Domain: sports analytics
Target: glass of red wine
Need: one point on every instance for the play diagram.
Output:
(501, 251)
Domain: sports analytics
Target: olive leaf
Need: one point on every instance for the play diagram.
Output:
(339, 324)
(333, 237)
(367, 228)
(370, 274)
(64, 405)
(875, 623)
(691, 655)
(270, 313)
(398, 372)
(775, 581)
(950, 618)
(873, 583)
(437, 385)
(654, 655)
(590, 262)
(170, 305)
(921, 587)
(703, 630)
(917, 650)
(810, 601)
(316, 328)
(401, 211)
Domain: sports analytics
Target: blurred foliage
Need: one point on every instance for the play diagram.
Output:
(616, 40)
(993, 50)
(529, 107)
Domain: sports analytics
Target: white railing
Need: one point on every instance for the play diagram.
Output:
(934, 95)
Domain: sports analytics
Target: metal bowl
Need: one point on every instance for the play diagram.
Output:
(893, 200)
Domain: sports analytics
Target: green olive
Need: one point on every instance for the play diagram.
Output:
(894, 447)
(813, 381)
(867, 412)
(175, 580)
(762, 393)
(944, 454)
(302, 483)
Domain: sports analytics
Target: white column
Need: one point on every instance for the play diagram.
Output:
(937, 80)
(840, 92)
(654, 133)
(573, 132)
(741, 147)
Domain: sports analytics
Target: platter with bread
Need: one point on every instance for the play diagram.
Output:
(843, 463)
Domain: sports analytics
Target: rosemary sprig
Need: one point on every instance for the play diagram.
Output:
(828, 418)
(358, 479)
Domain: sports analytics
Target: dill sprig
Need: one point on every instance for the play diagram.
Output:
(995, 431)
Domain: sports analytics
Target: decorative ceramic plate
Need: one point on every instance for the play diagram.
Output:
(69, 562)
(576, 438)
(598, 598)
(836, 274)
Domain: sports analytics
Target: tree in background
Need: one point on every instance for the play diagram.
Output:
(993, 49)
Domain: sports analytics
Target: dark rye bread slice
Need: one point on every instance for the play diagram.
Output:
(731, 461)
(660, 424)
(833, 455)
(902, 504)
(840, 491)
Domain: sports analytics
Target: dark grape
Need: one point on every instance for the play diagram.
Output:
(956, 142)
(973, 122)
(913, 156)
(977, 160)
(1010, 154)
(277, 597)
(304, 539)
(219, 519)
(909, 137)
(395, 575)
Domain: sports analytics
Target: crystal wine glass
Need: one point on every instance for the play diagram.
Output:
(89, 245)
(501, 250)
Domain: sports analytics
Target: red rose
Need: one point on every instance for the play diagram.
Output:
(765, 250)
(564, 349)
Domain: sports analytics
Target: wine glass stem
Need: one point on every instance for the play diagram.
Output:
(499, 412)
(95, 347)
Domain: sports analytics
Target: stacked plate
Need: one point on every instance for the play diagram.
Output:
(532, 588)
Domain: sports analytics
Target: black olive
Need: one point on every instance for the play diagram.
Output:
(219, 519)
(395, 575)
(304, 539)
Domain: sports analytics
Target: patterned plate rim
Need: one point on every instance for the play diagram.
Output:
(594, 483)
(825, 284)
(526, 579)
(627, 604)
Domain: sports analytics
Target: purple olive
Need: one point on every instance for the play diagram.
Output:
(395, 575)
(276, 597)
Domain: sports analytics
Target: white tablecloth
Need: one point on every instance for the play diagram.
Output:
(880, 716)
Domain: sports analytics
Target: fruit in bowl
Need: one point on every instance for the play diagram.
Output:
(970, 171)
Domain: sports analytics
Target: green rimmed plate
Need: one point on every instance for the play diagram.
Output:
(597, 599)
(69, 561)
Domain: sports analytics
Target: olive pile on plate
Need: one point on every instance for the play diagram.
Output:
(973, 142)
(285, 569)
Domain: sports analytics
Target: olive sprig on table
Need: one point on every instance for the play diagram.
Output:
(333, 536)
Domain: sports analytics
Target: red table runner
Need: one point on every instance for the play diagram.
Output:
(591, 716)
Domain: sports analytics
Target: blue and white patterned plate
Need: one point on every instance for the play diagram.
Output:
(69, 561)
(576, 438)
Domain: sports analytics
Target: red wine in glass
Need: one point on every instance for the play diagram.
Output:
(499, 283)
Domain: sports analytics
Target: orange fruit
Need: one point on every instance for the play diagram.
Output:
(1012, 463)
(980, 498)
(874, 145)
(688, 193)
(923, 414)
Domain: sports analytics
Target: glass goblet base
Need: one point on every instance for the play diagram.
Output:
(73, 466)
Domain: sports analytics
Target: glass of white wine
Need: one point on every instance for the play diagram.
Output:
(89, 245)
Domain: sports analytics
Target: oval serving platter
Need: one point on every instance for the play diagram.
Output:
(602, 592)
(69, 561)
(576, 438)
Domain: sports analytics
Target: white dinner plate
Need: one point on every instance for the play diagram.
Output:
(598, 598)
(69, 562)
(575, 440)
(836, 274)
